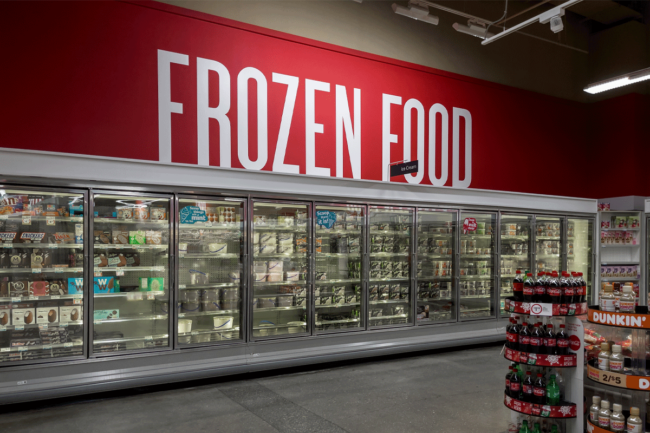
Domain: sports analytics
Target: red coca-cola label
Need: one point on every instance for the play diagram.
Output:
(514, 386)
(534, 341)
(535, 410)
(569, 291)
(529, 291)
(528, 389)
(507, 383)
(562, 342)
(540, 290)
(518, 287)
(564, 310)
(524, 340)
(580, 291)
(550, 342)
(554, 291)
(539, 392)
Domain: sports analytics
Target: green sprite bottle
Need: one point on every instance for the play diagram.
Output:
(554, 429)
(536, 429)
(552, 392)
(524, 427)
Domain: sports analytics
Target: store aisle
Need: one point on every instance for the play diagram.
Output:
(457, 391)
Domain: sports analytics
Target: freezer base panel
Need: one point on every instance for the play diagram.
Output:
(109, 374)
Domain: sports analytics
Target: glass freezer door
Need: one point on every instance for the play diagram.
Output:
(281, 253)
(579, 244)
(339, 253)
(41, 275)
(477, 249)
(210, 267)
(389, 283)
(435, 266)
(515, 253)
(548, 244)
(131, 265)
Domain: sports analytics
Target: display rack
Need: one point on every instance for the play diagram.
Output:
(628, 386)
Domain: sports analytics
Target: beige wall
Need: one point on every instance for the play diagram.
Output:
(516, 60)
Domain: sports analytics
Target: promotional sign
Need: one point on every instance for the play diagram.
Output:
(325, 218)
(624, 320)
(404, 168)
(225, 94)
(469, 225)
(193, 214)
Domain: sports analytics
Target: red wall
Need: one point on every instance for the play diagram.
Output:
(81, 77)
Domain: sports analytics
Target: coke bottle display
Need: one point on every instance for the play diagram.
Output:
(536, 340)
(515, 384)
(527, 388)
(550, 341)
(554, 290)
(508, 375)
(518, 287)
(539, 390)
(566, 288)
(529, 288)
(540, 288)
(524, 338)
(579, 289)
(514, 335)
(562, 341)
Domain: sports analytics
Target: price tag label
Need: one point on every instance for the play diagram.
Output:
(140, 250)
(67, 344)
(3, 328)
(7, 245)
(18, 299)
(119, 272)
(151, 296)
(19, 328)
(77, 270)
(48, 347)
(195, 332)
(55, 297)
(97, 322)
(50, 221)
(32, 297)
(76, 301)
(63, 325)
(42, 326)
(5, 349)
(27, 220)
(208, 224)
(36, 270)
(181, 255)
(148, 338)
(23, 349)
(98, 274)
(58, 270)
(4, 217)
(54, 246)
(182, 286)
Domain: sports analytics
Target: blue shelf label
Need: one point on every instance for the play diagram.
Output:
(193, 214)
(325, 218)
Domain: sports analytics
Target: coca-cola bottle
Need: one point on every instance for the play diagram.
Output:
(536, 341)
(562, 341)
(553, 289)
(567, 289)
(527, 388)
(529, 288)
(550, 341)
(508, 380)
(539, 390)
(524, 337)
(518, 287)
(513, 337)
(508, 326)
(540, 288)
(515, 384)
(583, 283)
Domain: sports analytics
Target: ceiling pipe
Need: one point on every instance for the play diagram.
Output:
(522, 12)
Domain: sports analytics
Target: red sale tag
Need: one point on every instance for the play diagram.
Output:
(469, 225)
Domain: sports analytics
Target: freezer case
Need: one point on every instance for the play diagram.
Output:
(515, 253)
(548, 244)
(211, 251)
(390, 280)
(339, 298)
(281, 251)
(436, 245)
(131, 273)
(477, 252)
(41, 275)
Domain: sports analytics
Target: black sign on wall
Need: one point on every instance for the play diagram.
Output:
(404, 168)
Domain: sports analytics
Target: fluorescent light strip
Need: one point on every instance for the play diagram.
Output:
(620, 81)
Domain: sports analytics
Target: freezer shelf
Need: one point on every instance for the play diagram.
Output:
(44, 246)
(39, 298)
(131, 221)
(41, 270)
(40, 326)
(132, 319)
(58, 219)
(41, 347)
(130, 247)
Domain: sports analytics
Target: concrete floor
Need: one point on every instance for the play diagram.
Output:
(454, 391)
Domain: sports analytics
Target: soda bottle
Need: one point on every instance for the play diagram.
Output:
(524, 338)
(552, 392)
(527, 388)
(554, 429)
(518, 287)
(508, 380)
(529, 288)
(577, 284)
(584, 287)
(550, 341)
(513, 337)
(562, 341)
(515, 384)
(567, 289)
(536, 429)
(553, 290)
(539, 390)
(536, 341)
(540, 288)
(508, 326)
(524, 427)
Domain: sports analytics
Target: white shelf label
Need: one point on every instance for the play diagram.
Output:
(3, 328)
(42, 326)
(195, 332)
(5, 349)
(76, 301)
(54, 246)
(48, 347)
(55, 297)
(19, 328)
(63, 325)
(36, 270)
(32, 298)
(7, 245)
(98, 274)
(4, 217)
(58, 270)
(50, 221)
(67, 344)
(97, 322)
(18, 299)
(151, 296)
(148, 338)
(119, 272)
(208, 224)
(140, 250)
(23, 349)
(27, 220)
(181, 286)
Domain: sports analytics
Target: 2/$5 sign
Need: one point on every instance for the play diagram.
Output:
(345, 126)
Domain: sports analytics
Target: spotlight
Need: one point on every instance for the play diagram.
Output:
(474, 28)
(416, 12)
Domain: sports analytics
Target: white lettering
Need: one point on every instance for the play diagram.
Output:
(242, 119)
(635, 321)
(386, 137)
(410, 104)
(620, 320)
(444, 145)
(644, 383)
(285, 124)
(611, 320)
(311, 127)
(352, 135)
(204, 112)
(458, 113)
(165, 105)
